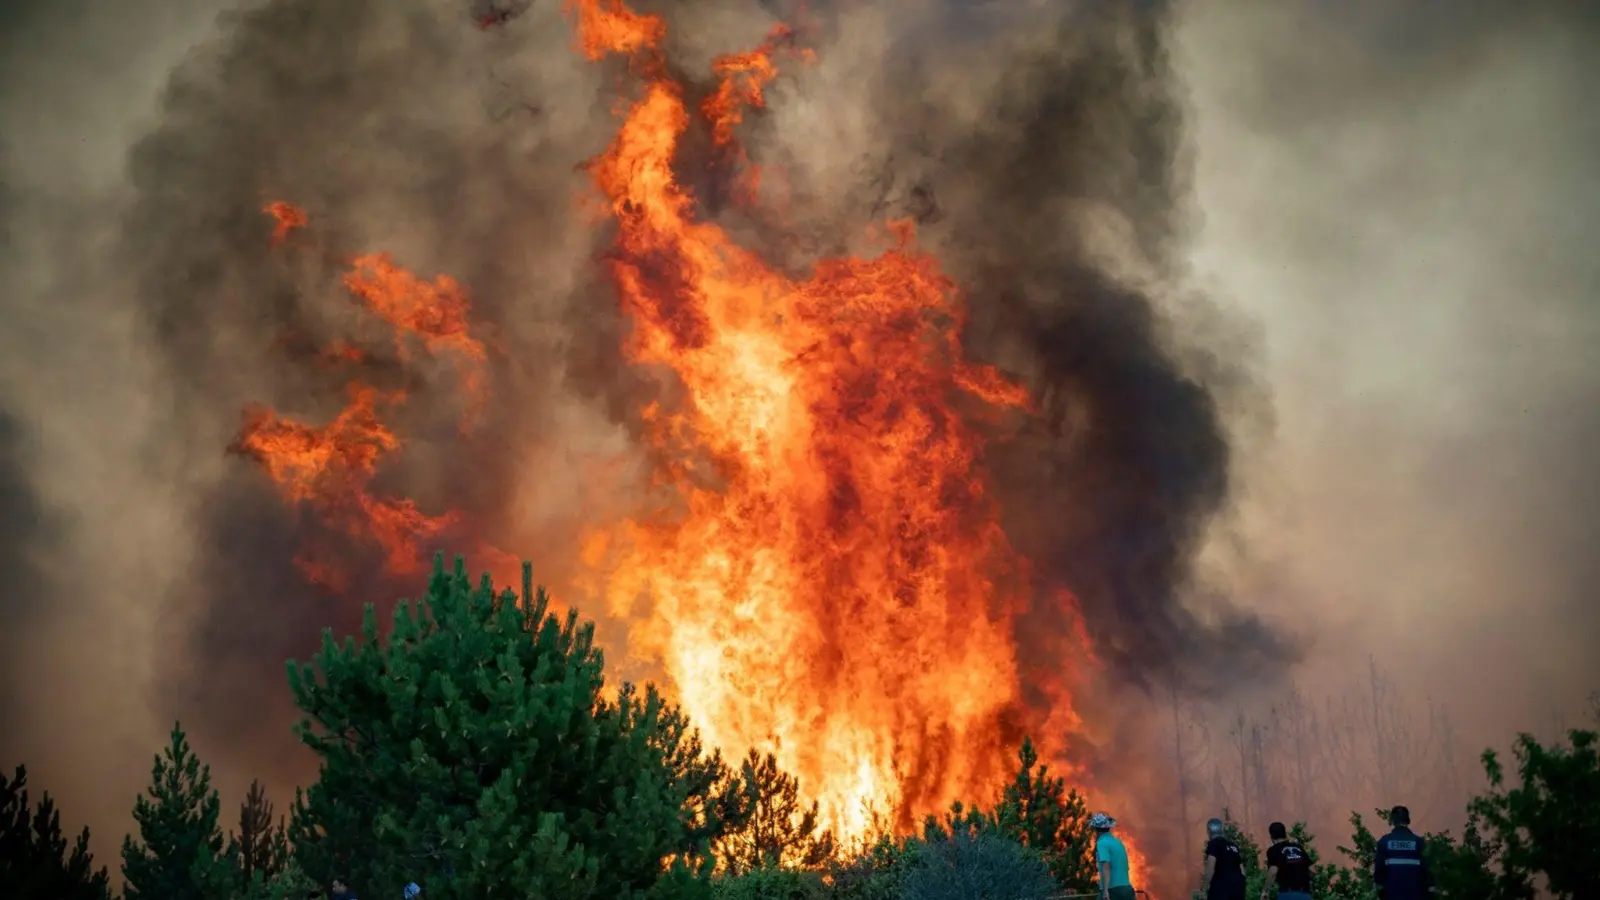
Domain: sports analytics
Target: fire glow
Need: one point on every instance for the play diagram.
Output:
(819, 568)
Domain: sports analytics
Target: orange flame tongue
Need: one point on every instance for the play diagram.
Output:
(829, 577)
(330, 468)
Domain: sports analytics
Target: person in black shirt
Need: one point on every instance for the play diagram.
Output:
(1288, 865)
(1399, 868)
(1223, 877)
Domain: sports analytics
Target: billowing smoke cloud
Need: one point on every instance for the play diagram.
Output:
(1406, 207)
(1046, 149)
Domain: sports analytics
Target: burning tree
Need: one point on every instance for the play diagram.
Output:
(779, 830)
(818, 442)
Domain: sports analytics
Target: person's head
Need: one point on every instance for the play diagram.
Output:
(1215, 828)
(1101, 822)
(1277, 832)
(339, 887)
(1399, 816)
(413, 891)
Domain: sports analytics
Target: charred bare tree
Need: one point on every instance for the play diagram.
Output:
(1381, 748)
(262, 843)
(1450, 795)
(1191, 752)
(1295, 722)
(1243, 744)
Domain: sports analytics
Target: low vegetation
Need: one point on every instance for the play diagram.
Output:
(472, 748)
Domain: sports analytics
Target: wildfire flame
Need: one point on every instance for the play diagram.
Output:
(821, 562)
(287, 218)
(829, 576)
(330, 468)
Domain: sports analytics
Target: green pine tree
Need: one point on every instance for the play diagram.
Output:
(779, 831)
(1037, 810)
(772, 883)
(472, 750)
(180, 853)
(873, 871)
(34, 857)
(288, 884)
(261, 845)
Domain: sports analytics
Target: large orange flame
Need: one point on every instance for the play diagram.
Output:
(828, 577)
(820, 568)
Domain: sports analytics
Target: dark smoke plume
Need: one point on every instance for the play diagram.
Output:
(1017, 182)
(1042, 148)
(397, 128)
(399, 144)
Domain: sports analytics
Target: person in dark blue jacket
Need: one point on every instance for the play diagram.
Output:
(1398, 868)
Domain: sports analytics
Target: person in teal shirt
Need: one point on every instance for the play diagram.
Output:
(1112, 859)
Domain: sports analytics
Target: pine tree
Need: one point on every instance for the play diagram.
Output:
(473, 751)
(779, 831)
(180, 852)
(260, 845)
(34, 858)
(1038, 811)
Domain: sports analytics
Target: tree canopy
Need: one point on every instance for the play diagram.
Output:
(1549, 823)
(778, 830)
(473, 749)
(179, 853)
(35, 857)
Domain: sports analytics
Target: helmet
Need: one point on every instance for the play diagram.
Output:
(413, 890)
(1215, 827)
(1101, 822)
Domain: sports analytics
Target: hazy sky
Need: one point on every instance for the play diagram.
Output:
(1403, 196)
(1397, 207)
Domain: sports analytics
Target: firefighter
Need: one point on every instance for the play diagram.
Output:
(1288, 866)
(1223, 875)
(1399, 868)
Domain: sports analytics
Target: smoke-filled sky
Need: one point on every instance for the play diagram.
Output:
(1329, 267)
